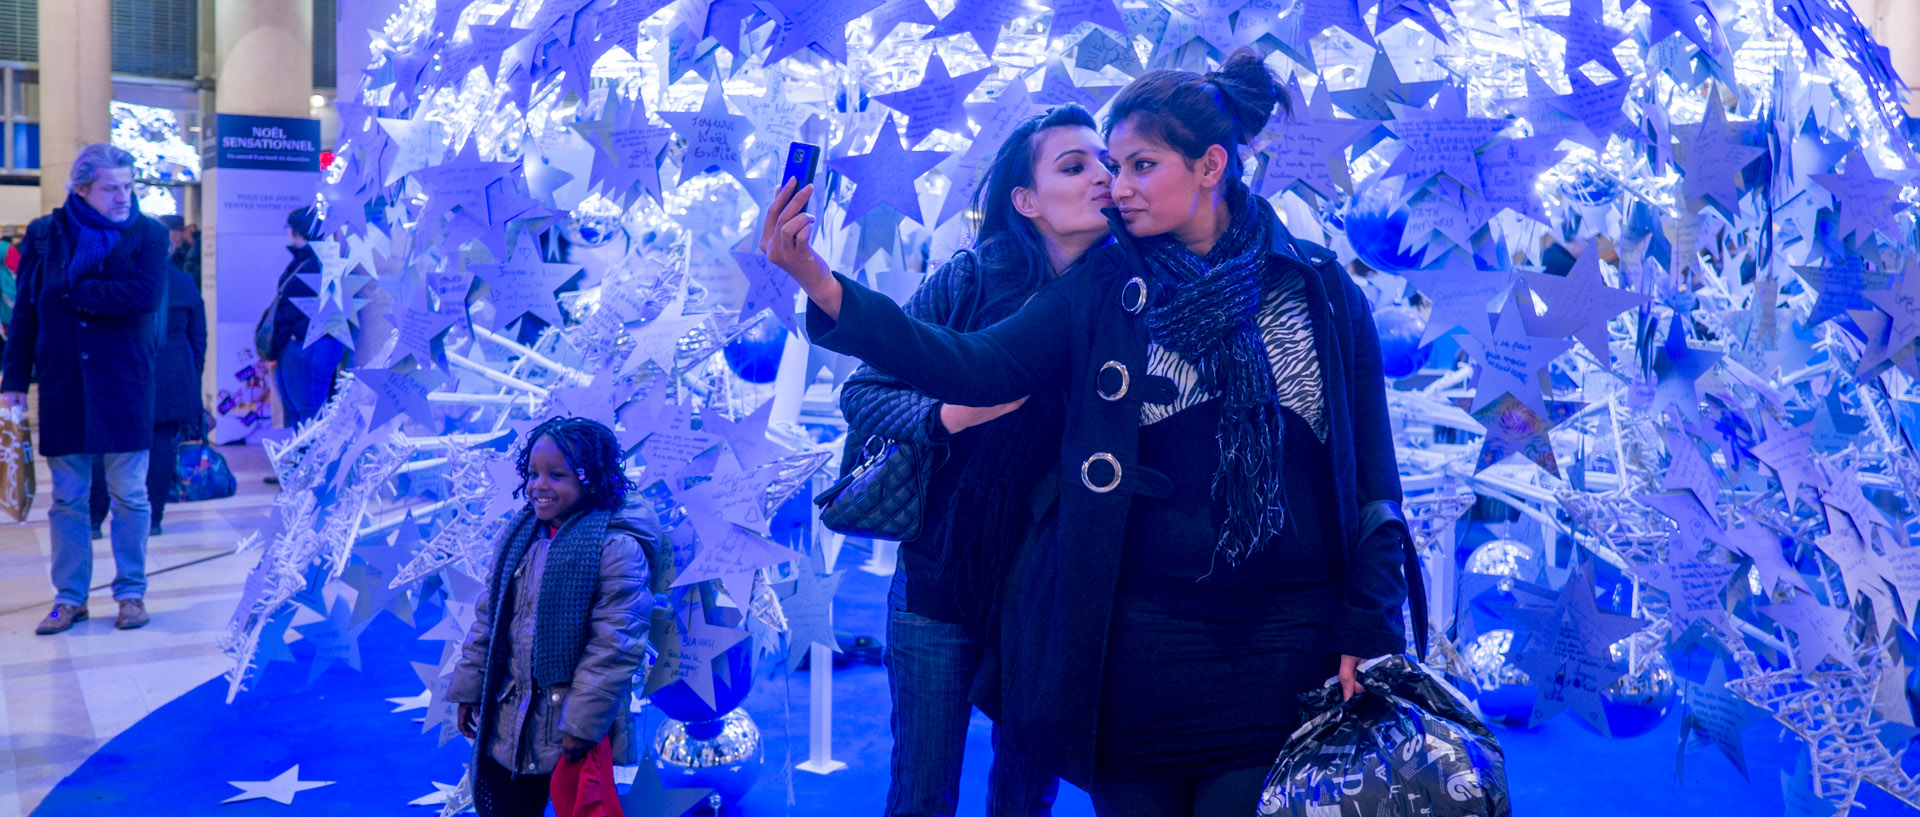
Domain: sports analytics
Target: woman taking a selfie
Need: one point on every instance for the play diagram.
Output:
(1228, 531)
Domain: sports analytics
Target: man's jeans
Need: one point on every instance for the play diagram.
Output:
(70, 527)
(930, 667)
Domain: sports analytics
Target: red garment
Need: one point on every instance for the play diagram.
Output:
(585, 788)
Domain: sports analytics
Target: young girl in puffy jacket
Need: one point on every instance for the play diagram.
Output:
(547, 670)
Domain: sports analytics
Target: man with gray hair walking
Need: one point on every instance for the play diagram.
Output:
(87, 326)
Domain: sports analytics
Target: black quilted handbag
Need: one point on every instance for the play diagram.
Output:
(885, 495)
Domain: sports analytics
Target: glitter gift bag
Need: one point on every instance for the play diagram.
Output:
(16, 463)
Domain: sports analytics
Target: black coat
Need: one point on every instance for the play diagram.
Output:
(91, 341)
(1059, 605)
(183, 359)
(289, 323)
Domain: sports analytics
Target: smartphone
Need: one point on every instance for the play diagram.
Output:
(803, 160)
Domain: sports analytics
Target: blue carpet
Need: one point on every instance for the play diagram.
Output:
(177, 761)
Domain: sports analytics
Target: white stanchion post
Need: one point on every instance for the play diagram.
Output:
(820, 674)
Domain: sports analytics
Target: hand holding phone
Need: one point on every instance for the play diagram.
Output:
(802, 162)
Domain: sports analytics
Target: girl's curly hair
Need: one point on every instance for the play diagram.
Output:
(593, 453)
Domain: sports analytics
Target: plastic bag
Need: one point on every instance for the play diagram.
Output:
(1408, 744)
(17, 484)
(202, 474)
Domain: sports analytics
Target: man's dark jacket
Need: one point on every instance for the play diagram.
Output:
(183, 357)
(91, 339)
(1059, 604)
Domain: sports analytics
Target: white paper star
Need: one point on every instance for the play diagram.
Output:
(280, 789)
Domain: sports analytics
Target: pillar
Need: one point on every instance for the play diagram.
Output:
(76, 87)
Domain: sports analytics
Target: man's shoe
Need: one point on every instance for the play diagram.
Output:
(133, 615)
(272, 480)
(98, 534)
(155, 530)
(62, 619)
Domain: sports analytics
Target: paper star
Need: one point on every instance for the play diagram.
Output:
(1901, 302)
(713, 136)
(747, 438)
(809, 610)
(1598, 108)
(1441, 140)
(1567, 653)
(1069, 14)
(996, 121)
(334, 638)
(398, 394)
(721, 20)
(1514, 428)
(271, 648)
(417, 142)
(1695, 588)
(885, 175)
(1688, 470)
(419, 329)
(442, 794)
(768, 287)
(280, 790)
(1579, 304)
(692, 660)
(1209, 20)
(1789, 452)
(1866, 202)
(1679, 368)
(804, 23)
(982, 19)
(1716, 156)
(1696, 524)
(650, 798)
(1820, 631)
(460, 182)
(1718, 716)
(373, 577)
(598, 401)
(1508, 170)
(1666, 18)
(525, 284)
(935, 103)
(1317, 16)
(1383, 90)
(1461, 293)
(658, 340)
(631, 152)
(1511, 361)
(410, 703)
(1310, 147)
(1058, 87)
(893, 13)
(1764, 548)
(1587, 38)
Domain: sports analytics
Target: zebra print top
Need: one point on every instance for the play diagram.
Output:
(1288, 329)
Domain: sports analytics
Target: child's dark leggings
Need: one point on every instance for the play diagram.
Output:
(500, 793)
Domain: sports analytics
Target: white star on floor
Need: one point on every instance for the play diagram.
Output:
(441, 794)
(412, 702)
(280, 789)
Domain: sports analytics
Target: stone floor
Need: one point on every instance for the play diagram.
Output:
(63, 696)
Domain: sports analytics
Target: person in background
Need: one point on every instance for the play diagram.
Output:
(88, 328)
(186, 246)
(177, 409)
(1040, 212)
(303, 367)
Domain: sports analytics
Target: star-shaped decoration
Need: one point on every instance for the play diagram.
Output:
(1765, 549)
(934, 103)
(599, 400)
(1511, 361)
(1514, 428)
(442, 794)
(768, 287)
(1310, 147)
(1099, 49)
(1509, 169)
(1058, 87)
(691, 660)
(809, 611)
(1789, 452)
(981, 19)
(1696, 524)
(1715, 715)
(280, 789)
(1666, 18)
(1461, 293)
(1068, 15)
(996, 120)
(1568, 652)
(1688, 470)
(1866, 202)
(1441, 140)
(892, 13)
(658, 340)
(335, 639)
(1383, 90)
(1598, 108)
(747, 437)
(1695, 588)
(713, 134)
(1716, 156)
(396, 394)
(1843, 278)
(1901, 302)
(630, 152)
(460, 182)
(804, 23)
(1579, 304)
(525, 284)
(420, 328)
(620, 24)
(1317, 16)
(1820, 631)
(885, 175)
(649, 797)
(1679, 367)
(1588, 40)
(418, 143)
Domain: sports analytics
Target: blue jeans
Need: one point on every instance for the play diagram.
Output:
(930, 667)
(304, 376)
(70, 527)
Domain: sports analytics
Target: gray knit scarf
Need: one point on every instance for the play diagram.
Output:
(1206, 311)
(565, 604)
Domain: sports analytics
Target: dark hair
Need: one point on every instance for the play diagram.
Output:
(174, 222)
(1003, 238)
(593, 453)
(1192, 112)
(306, 222)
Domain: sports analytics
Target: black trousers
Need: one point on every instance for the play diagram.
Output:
(1224, 794)
(161, 462)
(498, 792)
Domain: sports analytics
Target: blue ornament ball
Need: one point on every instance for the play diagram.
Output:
(1401, 328)
(1503, 691)
(755, 354)
(1375, 223)
(724, 756)
(679, 702)
(1640, 700)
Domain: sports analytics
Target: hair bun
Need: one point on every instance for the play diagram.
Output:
(1249, 90)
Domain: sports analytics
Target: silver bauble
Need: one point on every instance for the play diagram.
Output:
(1503, 691)
(723, 755)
